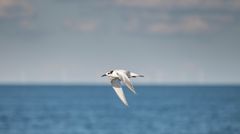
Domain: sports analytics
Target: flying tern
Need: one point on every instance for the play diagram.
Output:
(119, 75)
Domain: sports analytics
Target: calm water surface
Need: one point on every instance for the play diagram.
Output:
(97, 110)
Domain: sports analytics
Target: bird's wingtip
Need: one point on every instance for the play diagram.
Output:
(134, 92)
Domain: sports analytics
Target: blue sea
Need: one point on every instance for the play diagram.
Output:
(97, 110)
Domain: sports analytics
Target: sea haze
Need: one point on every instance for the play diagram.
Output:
(97, 110)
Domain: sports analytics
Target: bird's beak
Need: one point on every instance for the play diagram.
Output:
(104, 75)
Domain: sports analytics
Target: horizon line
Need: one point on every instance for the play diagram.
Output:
(105, 84)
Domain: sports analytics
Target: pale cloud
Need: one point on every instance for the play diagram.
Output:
(26, 24)
(7, 8)
(81, 25)
(169, 3)
(140, 3)
(188, 24)
(132, 24)
(194, 24)
(236, 3)
(172, 4)
(167, 23)
(18, 13)
(161, 16)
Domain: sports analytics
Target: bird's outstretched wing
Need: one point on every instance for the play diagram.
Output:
(117, 88)
(124, 78)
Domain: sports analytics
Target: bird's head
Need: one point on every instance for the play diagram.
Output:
(109, 73)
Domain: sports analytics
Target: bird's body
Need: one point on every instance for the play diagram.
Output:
(118, 75)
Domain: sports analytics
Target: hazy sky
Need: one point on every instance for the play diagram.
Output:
(76, 41)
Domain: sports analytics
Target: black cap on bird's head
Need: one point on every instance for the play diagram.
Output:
(106, 74)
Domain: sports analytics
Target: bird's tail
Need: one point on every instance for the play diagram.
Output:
(134, 75)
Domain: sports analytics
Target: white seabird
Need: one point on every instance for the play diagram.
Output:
(118, 75)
